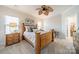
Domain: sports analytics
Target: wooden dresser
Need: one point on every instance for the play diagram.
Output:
(12, 38)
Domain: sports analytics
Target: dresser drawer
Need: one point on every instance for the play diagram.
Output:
(12, 38)
(15, 40)
(9, 36)
(16, 34)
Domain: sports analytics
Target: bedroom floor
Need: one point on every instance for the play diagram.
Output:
(59, 46)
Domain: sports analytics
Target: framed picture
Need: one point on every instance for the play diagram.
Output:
(29, 21)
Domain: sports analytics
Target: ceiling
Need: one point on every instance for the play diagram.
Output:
(31, 9)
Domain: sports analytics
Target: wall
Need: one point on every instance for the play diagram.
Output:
(78, 20)
(53, 22)
(2, 37)
(5, 11)
(73, 11)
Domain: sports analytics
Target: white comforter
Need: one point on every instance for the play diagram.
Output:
(31, 36)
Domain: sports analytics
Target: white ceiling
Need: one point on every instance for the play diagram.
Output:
(31, 9)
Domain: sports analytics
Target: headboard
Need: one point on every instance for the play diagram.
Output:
(28, 22)
(24, 29)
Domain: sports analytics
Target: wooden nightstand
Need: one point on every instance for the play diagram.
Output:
(12, 38)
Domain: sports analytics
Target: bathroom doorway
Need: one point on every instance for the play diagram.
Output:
(72, 25)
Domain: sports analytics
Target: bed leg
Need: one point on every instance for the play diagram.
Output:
(38, 44)
(53, 35)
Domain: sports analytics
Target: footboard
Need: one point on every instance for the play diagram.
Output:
(46, 38)
(42, 40)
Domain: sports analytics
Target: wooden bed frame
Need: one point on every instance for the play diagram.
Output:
(41, 41)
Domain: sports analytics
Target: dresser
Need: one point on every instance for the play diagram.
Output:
(12, 38)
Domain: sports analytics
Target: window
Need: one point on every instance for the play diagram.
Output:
(12, 24)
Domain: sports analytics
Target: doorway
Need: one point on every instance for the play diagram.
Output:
(72, 25)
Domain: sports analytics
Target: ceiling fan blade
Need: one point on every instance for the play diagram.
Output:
(51, 10)
(38, 9)
(46, 13)
(43, 6)
(40, 12)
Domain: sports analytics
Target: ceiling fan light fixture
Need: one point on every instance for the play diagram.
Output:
(40, 12)
(46, 13)
(44, 10)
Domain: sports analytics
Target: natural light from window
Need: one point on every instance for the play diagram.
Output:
(11, 24)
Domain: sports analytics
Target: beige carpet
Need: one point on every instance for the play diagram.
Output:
(59, 46)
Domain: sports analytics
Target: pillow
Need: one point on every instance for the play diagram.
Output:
(28, 29)
(35, 30)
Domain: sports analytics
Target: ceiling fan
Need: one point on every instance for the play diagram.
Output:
(44, 10)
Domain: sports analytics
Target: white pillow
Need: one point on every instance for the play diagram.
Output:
(35, 30)
(26, 27)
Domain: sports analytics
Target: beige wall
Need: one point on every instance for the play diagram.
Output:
(53, 22)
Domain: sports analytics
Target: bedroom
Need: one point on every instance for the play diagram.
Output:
(59, 20)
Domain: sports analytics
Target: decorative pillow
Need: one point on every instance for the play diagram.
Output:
(35, 30)
(26, 28)
(30, 29)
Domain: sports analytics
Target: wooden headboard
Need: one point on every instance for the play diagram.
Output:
(24, 29)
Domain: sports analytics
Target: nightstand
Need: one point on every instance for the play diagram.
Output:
(12, 38)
